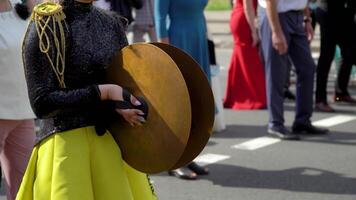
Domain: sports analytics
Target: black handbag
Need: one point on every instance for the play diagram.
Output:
(212, 57)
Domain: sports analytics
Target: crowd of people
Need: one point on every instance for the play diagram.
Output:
(271, 37)
(285, 32)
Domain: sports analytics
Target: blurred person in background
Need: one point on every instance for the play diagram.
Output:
(313, 5)
(288, 94)
(246, 79)
(286, 30)
(124, 8)
(336, 19)
(187, 31)
(144, 22)
(17, 133)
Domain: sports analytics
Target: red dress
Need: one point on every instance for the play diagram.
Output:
(246, 80)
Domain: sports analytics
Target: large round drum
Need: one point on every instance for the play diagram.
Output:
(146, 70)
(202, 102)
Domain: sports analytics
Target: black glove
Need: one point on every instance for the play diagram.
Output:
(126, 104)
(106, 113)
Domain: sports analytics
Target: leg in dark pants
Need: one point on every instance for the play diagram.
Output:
(299, 52)
(276, 69)
(343, 76)
(346, 41)
(327, 52)
(287, 93)
(276, 72)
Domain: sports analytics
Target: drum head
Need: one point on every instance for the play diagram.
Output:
(202, 102)
(147, 71)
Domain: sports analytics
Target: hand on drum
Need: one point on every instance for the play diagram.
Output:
(132, 116)
(115, 93)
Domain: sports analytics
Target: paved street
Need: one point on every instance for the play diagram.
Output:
(247, 165)
(316, 168)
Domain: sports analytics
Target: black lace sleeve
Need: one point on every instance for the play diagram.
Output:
(46, 97)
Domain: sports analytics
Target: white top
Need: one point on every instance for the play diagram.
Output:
(286, 5)
(14, 101)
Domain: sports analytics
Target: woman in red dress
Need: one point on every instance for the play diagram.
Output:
(246, 80)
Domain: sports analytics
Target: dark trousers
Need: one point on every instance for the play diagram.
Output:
(276, 68)
(334, 30)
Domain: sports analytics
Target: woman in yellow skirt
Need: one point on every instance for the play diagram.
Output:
(66, 50)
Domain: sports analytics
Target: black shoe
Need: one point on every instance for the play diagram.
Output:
(323, 107)
(308, 129)
(200, 170)
(283, 134)
(289, 95)
(344, 99)
(183, 173)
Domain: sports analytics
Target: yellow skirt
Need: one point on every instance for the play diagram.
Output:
(79, 165)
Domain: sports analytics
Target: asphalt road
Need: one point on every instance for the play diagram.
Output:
(316, 168)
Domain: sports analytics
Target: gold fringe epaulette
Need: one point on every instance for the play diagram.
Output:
(48, 9)
(49, 19)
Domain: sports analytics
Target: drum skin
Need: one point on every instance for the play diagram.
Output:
(202, 103)
(146, 70)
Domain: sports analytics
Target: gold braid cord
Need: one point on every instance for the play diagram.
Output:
(49, 19)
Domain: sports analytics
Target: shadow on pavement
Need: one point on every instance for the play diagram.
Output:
(244, 131)
(340, 109)
(334, 137)
(241, 131)
(301, 179)
(211, 143)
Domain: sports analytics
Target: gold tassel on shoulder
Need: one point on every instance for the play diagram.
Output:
(49, 19)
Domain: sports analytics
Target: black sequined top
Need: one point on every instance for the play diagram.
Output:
(92, 38)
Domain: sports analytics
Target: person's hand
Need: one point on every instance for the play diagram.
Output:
(132, 116)
(279, 42)
(255, 39)
(309, 30)
(114, 92)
